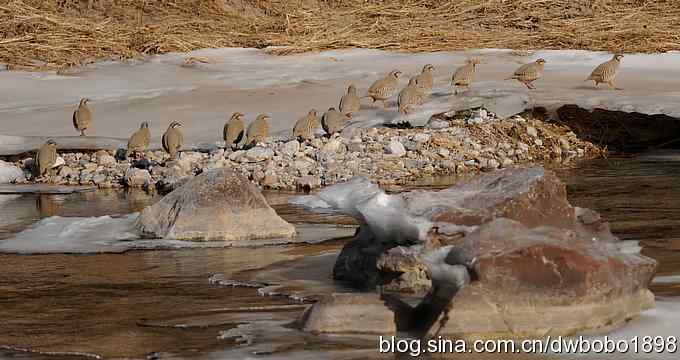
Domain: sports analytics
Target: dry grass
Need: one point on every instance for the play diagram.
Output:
(54, 33)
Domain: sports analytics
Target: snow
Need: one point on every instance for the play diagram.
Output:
(251, 81)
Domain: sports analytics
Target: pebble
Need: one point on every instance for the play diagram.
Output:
(393, 156)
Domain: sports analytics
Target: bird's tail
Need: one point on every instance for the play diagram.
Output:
(511, 77)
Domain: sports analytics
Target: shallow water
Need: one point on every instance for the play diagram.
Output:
(161, 302)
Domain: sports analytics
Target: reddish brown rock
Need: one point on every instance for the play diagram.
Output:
(539, 266)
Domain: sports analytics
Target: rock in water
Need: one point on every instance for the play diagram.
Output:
(216, 205)
(529, 251)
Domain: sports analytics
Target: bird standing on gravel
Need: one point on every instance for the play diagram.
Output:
(383, 89)
(258, 130)
(173, 139)
(528, 73)
(139, 141)
(464, 75)
(82, 117)
(350, 102)
(410, 96)
(233, 131)
(606, 72)
(426, 79)
(304, 127)
(46, 157)
(332, 121)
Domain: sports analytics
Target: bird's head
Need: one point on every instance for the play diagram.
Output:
(428, 68)
(474, 61)
(331, 108)
(618, 56)
(84, 101)
(351, 89)
(176, 125)
(144, 125)
(263, 117)
(51, 142)
(312, 113)
(413, 81)
(540, 61)
(395, 74)
(237, 116)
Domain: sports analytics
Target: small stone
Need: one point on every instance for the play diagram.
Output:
(308, 182)
(270, 179)
(506, 162)
(137, 178)
(531, 131)
(258, 175)
(290, 148)
(538, 142)
(237, 155)
(396, 148)
(99, 179)
(421, 138)
(316, 143)
(437, 124)
(444, 152)
(524, 147)
(564, 144)
(259, 153)
(104, 158)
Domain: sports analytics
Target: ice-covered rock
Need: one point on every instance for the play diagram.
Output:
(10, 173)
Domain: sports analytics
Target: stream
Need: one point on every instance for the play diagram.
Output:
(181, 303)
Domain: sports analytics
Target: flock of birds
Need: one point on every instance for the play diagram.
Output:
(333, 120)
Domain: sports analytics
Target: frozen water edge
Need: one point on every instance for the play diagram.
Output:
(251, 81)
(106, 234)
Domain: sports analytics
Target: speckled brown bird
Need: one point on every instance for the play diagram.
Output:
(528, 73)
(258, 130)
(410, 96)
(46, 157)
(139, 141)
(233, 131)
(606, 72)
(426, 79)
(385, 88)
(350, 102)
(304, 127)
(82, 117)
(333, 121)
(463, 76)
(173, 139)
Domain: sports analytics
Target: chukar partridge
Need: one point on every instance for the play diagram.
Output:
(606, 72)
(304, 127)
(233, 131)
(383, 89)
(426, 79)
(258, 130)
(528, 73)
(139, 141)
(332, 121)
(410, 96)
(46, 157)
(173, 139)
(350, 102)
(464, 75)
(82, 117)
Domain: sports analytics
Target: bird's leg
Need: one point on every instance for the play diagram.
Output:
(612, 85)
(384, 104)
(82, 132)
